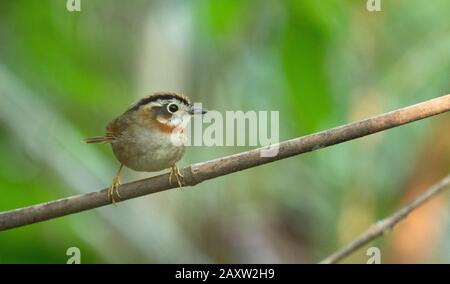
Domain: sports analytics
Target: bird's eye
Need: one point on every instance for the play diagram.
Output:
(172, 108)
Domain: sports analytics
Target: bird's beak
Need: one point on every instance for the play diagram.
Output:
(197, 110)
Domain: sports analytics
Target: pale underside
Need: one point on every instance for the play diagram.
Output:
(143, 148)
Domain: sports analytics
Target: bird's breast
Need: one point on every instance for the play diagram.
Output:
(149, 150)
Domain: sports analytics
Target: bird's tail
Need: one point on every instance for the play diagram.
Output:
(99, 139)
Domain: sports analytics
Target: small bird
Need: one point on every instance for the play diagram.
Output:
(148, 136)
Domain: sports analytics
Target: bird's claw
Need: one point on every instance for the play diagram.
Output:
(114, 190)
(175, 171)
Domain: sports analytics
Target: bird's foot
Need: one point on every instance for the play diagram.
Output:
(175, 171)
(113, 190)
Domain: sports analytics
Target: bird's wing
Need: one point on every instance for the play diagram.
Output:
(113, 130)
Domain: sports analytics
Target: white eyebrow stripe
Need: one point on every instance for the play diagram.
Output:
(155, 104)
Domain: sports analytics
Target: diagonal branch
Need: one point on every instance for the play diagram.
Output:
(200, 172)
(388, 223)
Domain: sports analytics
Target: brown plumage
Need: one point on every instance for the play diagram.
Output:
(143, 137)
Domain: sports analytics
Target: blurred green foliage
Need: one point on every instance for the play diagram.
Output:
(64, 75)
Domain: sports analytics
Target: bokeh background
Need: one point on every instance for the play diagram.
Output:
(64, 76)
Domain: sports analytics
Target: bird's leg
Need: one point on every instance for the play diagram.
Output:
(114, 188)
(175, 171)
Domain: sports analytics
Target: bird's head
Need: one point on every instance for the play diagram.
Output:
(165, 110)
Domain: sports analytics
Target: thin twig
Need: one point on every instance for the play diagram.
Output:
(200, 172)
(378, 228)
